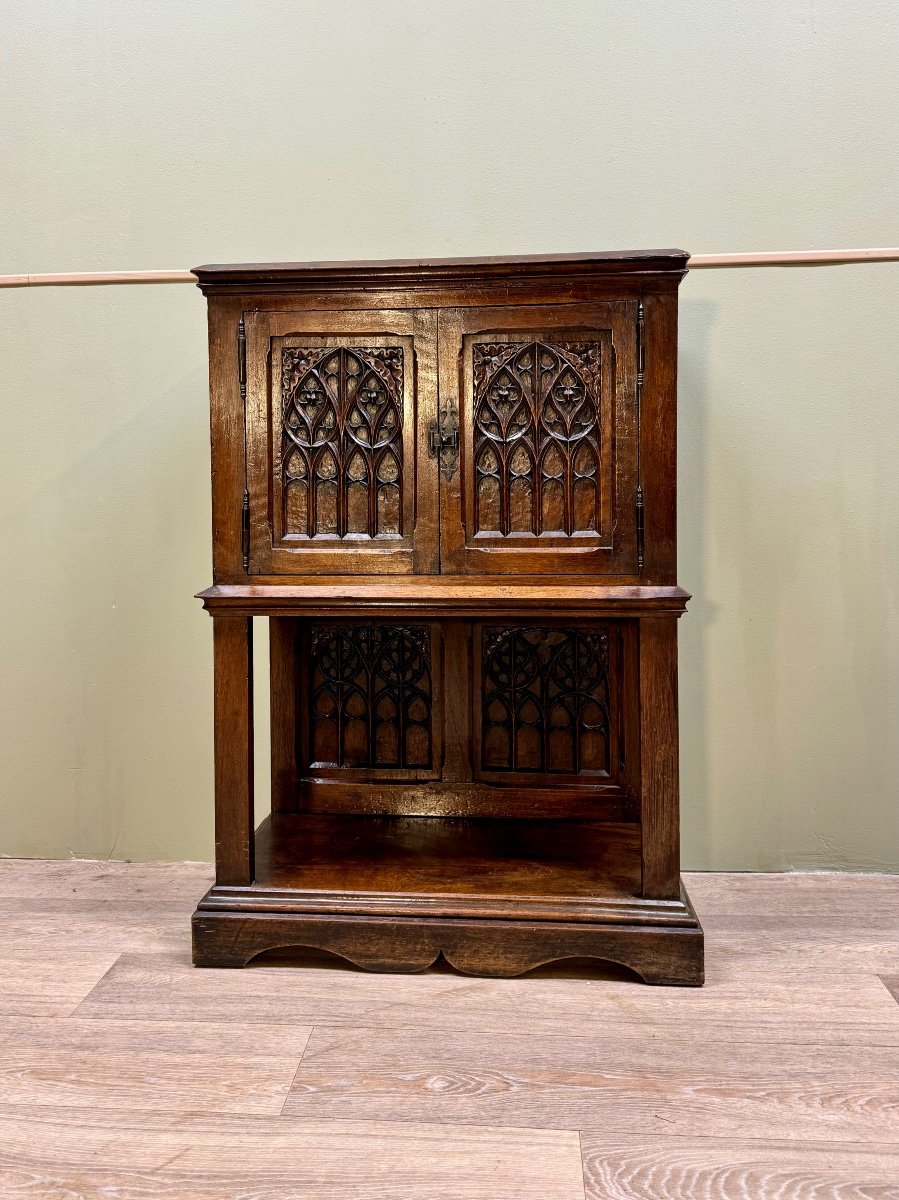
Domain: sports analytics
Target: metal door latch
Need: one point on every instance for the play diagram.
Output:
(443, 443)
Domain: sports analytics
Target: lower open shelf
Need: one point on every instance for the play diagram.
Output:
(474, 860)
(494, 897)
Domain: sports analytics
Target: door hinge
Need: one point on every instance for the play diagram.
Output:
(443, 443)
(639, 514)
(242, 358)
(641, 350)
(245, 530)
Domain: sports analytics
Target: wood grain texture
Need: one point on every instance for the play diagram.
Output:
(234, 814)
(777, 1081)
(217, 1081)
(122, 1036)
(76, 881)
(818, 895)
(330, 596)
(658, 437)
(320, 422)
(283, 667)
(487, 402)
(227, 437)
(426, 857)
(659, 794)
(843, 1093)
(63, 1152)
(401, 273)
(650, 1167)
(36, 983)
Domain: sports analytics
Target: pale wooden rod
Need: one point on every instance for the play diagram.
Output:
(794, 258)
(785, 258)
(79, 278)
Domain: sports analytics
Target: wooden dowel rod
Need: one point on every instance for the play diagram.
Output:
(784, 258)
(76, 278)
(794, 258)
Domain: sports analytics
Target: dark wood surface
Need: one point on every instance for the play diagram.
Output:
(450, 486)
(432, 743)
(544, 401)
(658, 787)
(505, 859)
(344, 462)
(436, 596)
(467, 272)
(234, 821)
(283, 668)
(455, 795)
(493, 897)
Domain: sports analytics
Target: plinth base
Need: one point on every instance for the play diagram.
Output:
(493, 898)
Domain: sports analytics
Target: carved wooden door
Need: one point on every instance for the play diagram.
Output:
(542, 476)
(338, 475)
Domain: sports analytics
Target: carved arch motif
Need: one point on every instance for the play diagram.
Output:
(370, 701)
(537, 437)
(341, 441)
(545, 700)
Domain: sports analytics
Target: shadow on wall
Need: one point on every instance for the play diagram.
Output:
(787, 501)
(696, 320)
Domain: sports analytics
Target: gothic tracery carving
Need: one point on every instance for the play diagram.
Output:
(341, 441)
(370, 696)
(537, 436)
(545, 700)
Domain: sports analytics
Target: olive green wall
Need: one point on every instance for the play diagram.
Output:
(160, 135)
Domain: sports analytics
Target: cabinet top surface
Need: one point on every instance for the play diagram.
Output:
(412, 272)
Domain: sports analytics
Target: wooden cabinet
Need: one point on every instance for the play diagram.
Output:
(450, 487)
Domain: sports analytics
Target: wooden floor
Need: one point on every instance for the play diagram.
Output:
(127, 1073)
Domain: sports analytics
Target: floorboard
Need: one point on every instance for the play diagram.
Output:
(47, 1154)
(845, 1093)
(651, 1167)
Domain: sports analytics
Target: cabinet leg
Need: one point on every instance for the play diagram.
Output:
(659, 784)
(234, 816)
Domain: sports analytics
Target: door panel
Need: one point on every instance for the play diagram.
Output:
(338, 406)
(546, 471)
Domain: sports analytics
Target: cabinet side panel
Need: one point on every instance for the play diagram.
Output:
(226, 412)
(658, 438)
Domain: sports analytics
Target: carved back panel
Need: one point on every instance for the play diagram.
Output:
(484, 709)
(548, 703)
(368, 695)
